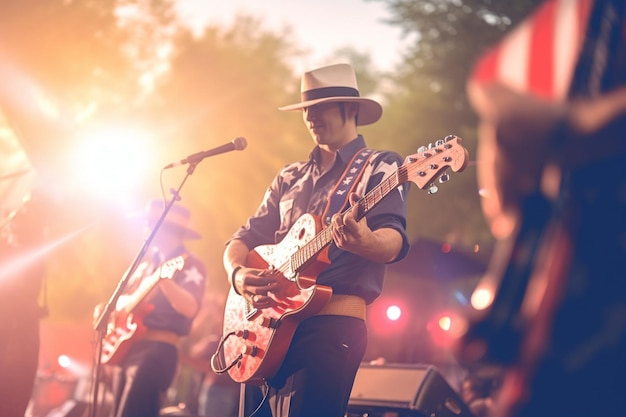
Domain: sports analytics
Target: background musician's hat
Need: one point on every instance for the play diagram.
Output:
(178, 218)
(335, 83)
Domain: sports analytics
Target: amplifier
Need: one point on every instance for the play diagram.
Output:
(407, 390)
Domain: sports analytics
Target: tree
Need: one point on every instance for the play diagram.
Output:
(99, 63)
(429, 100)
(228, 83)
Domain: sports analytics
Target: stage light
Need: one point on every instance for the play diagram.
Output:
(445, 323)
(447, 327)
(64, 361)
(72, 366)
(482, 298)
(389, 317)
(394, 312)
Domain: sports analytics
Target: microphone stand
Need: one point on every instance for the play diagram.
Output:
(100, 325)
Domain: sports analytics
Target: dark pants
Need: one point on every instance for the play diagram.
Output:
(143, 379)
(319, 369)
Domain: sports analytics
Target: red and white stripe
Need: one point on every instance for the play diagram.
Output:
(538, 56)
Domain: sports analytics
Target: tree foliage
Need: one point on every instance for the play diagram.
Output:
(428, 100)
(98, 62)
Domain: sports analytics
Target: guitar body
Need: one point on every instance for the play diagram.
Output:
(262, 337)
(123, 330)
(125, 325)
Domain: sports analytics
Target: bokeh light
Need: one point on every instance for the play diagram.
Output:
(482, 298)
(394, 312)
(64, 361)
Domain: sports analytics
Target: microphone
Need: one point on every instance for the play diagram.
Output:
(237, 144)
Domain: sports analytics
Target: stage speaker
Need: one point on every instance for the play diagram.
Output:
(404, 390)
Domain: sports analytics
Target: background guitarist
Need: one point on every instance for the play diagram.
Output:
(149, 366)
(316, 376)
(552, 103)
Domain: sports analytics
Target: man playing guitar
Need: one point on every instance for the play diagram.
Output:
(316, 376)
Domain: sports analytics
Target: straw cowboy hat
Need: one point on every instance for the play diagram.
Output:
(177, 218)
(335, 83)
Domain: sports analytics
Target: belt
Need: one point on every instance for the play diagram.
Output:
(165, 336)
(344, 305)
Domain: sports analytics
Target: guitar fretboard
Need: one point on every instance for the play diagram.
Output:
(364, 205)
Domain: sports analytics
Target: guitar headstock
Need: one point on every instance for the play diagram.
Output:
(430, 163)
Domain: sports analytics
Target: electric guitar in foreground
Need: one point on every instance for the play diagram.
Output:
(125, 325)
(255, 341)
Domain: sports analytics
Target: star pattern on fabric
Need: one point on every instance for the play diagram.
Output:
(193, 275)
(288, 177)
(388, 169)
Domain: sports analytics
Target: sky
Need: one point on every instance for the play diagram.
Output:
(321, 26)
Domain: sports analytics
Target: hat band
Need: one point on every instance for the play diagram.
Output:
(329, 92)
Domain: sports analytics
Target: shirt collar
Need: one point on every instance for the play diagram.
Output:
(346, 153)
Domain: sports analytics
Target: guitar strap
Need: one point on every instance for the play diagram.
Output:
(338, 198)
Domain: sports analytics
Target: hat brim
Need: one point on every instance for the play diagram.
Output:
(370, 111)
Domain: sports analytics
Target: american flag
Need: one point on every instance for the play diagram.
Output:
(539, 56)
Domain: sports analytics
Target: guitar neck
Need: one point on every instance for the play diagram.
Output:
(419, 168)
(167, 270)
(312, 248)
(147, 284)
(379, 192)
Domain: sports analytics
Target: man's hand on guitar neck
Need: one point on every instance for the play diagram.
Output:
(524, 141)
(350, 234)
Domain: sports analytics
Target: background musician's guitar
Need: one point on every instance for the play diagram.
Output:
(125, 326)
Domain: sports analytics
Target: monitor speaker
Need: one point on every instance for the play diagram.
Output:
(406, 390)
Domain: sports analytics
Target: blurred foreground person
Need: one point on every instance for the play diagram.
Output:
(171, 281)
(22, 270)
(552, 102)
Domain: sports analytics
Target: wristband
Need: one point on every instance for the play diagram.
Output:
(232, 278)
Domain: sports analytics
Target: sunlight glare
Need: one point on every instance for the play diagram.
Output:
(111, 163)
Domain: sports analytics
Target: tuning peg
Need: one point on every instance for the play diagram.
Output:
(432, 188)
(422, 149)
(439, 142)
(444, 177)
(450, 137)
(430, 145)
